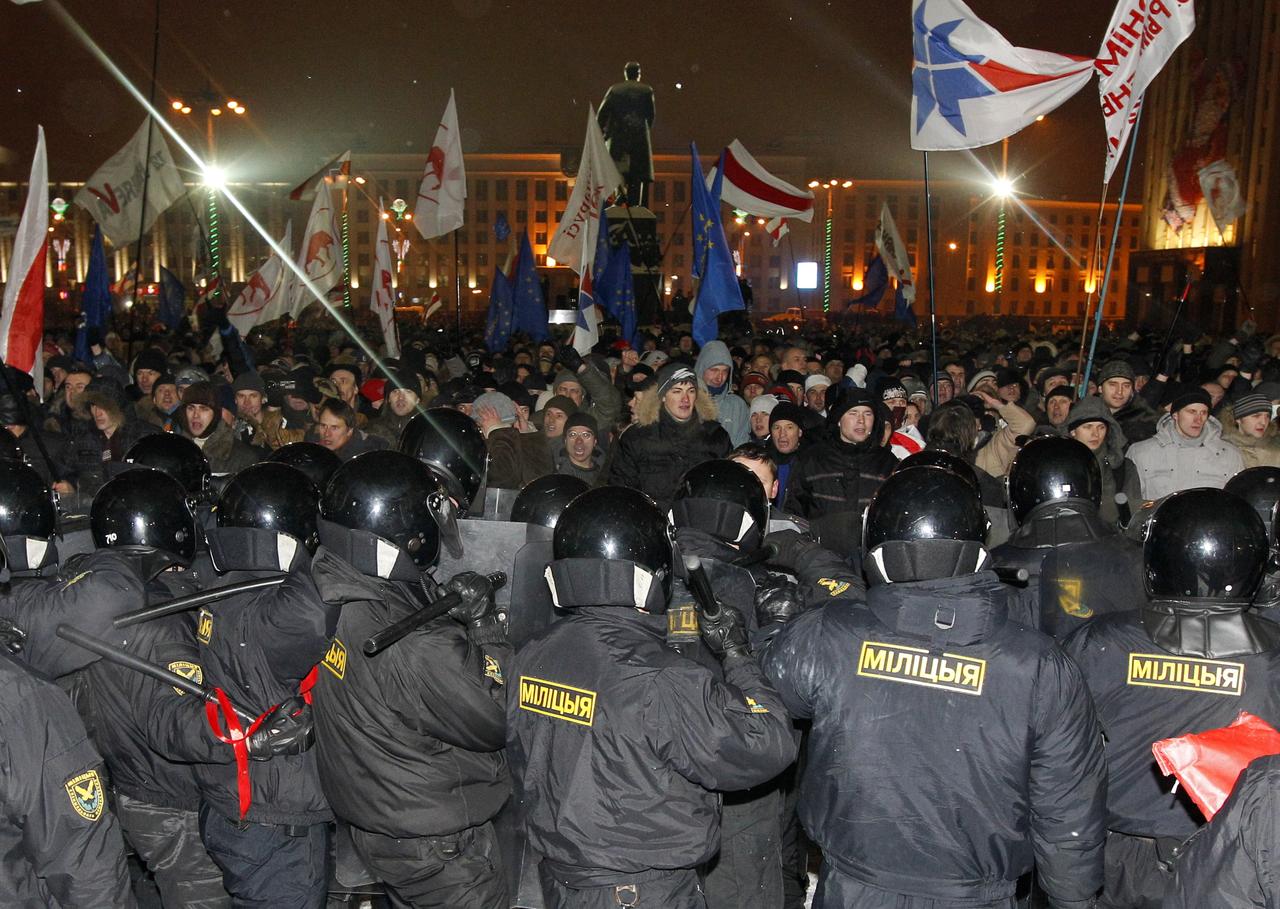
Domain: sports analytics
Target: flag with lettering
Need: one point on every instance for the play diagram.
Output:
(597, 179)
(95, 297)
(970, 87)
(896, 257)
(442, 195)
(265, 297)
(113, 195)
(22, 310)
(382, 299)
(1143, 34)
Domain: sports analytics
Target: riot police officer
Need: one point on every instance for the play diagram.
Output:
(1188, 658)
(951, 749)
(1079, 566)
(261, 647)
(316, 461)
(409, 740)
(1260, 487)
(619, 744)
(449, 443)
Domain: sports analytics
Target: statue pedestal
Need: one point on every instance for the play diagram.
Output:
(639, 227)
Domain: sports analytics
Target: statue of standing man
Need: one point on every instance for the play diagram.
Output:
(625, 118)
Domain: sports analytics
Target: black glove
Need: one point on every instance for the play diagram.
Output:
(791, 544)
(12, 637)
(779, 604)
(725, 635)
(288, 729)
(571, 359)
(477, 606)
(1172, 362)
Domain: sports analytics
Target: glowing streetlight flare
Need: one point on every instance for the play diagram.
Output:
(214, 177)
(176, 105)
(186, 109)
(814, 184)
(1002, 187)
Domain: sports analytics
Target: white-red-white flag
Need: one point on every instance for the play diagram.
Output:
(320, 256)
(113, 195)
(777, 229)
(22, 312)
(574, 242)
(265, 296)
(1143, 34)
(442, 195)
(749, 187)
(382, 298)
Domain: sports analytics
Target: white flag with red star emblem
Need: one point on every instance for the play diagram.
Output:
(443, 192)
(265, 296)
(382, 299)
(320, 256)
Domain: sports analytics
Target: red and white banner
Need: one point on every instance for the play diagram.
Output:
(574, 242)
(777, 229)
(265, 296)
(895, 254)
(382, 298)
(320, 255)
(749, 187)
(971, 87)
(443, 193)
(1222, 193)
(1143, 34)
(113, 195)
(22, 312)
(336, 170)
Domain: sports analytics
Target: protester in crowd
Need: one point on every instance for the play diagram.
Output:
(203, 424)
(582, 455)
(1091, 422)
(815, 392)
(584, 382)
(1115, 387)
(346, 379)
(337, 429)
(166, 402)
(1057, 404)
(107, 437)
(761, 407)
(714, 369)
(401, 402)
(147, 367)
(1187, 449)
(515, 458)
(1248, 425)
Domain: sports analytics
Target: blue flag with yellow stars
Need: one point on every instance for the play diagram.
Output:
(531, 311)
(497, 329)
(611, 282)
(718, 290)
(95, 298)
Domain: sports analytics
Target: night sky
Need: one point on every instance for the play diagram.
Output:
(827, 80)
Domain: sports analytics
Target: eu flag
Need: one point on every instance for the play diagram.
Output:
(497, 329)
(611, 281)
(530, 310)
(95, 299)
(874, 282)
(173, 300)
(718, 289)
(501, 228)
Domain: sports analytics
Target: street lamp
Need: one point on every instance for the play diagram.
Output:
(830, 186)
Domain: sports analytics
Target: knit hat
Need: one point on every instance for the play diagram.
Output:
(674, 374)
(1249, 404)
(150, 359)
(816, 380)
(583, 419)
(858, 375)
(373, 390)
(301, 383)
(790, 377)
(892, 389)
(249, 381)
(1007, 376)
(1062, 391)
(763, 404)
(565, 376)
(560, 402)
(200, 393)
(847, 399)
(979, 376)
(505, 407)
(1192, 394)
(915, 388)
(1087, 410)
(785, 410)
(1115, 369)
(755, 378)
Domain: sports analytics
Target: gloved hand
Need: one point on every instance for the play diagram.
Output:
(288, 729)
(778, 604)
(1172, 362)
(725, 635)
(477, 606)
(571, 359)
(791, 544)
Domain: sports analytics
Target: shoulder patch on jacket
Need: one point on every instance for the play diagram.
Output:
(204, 626)
(492, 669)
(85, 793)
(833, 587)
(72, 581)
(187, 670)
(335, 658)
(755, 707)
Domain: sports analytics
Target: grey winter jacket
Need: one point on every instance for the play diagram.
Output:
(1169, 462)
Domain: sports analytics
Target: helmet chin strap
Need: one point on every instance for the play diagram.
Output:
(925, 560)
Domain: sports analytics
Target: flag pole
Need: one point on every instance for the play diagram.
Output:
(1095, 255)
(933, 303)
(346, 247)
(146, 180)
(457, 286)
(1111, 254)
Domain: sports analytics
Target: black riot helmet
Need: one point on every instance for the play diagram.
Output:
(387, 514)
(924, 523)
(176, 455)
(1051, 470)
(1260, 487)
(725, 499)
(612, 547)
(144, 508)
(448, 442)
(1204, 544)
(28, 519)
(936, 457)
(316, 461)
(266, 518)
(543, 501)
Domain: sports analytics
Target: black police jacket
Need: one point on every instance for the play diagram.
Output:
(88, 591)
(951, 750)
(619, 745)
(1232, 861)
(59, 844)
(1079, 568)
(408, 742)
(1144, 693)
(258, 647)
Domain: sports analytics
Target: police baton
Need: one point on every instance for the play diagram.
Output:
(700, 587)
(755, 556)
(182, 604)
(381, 640)
(113, 654)
(1015, 577)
